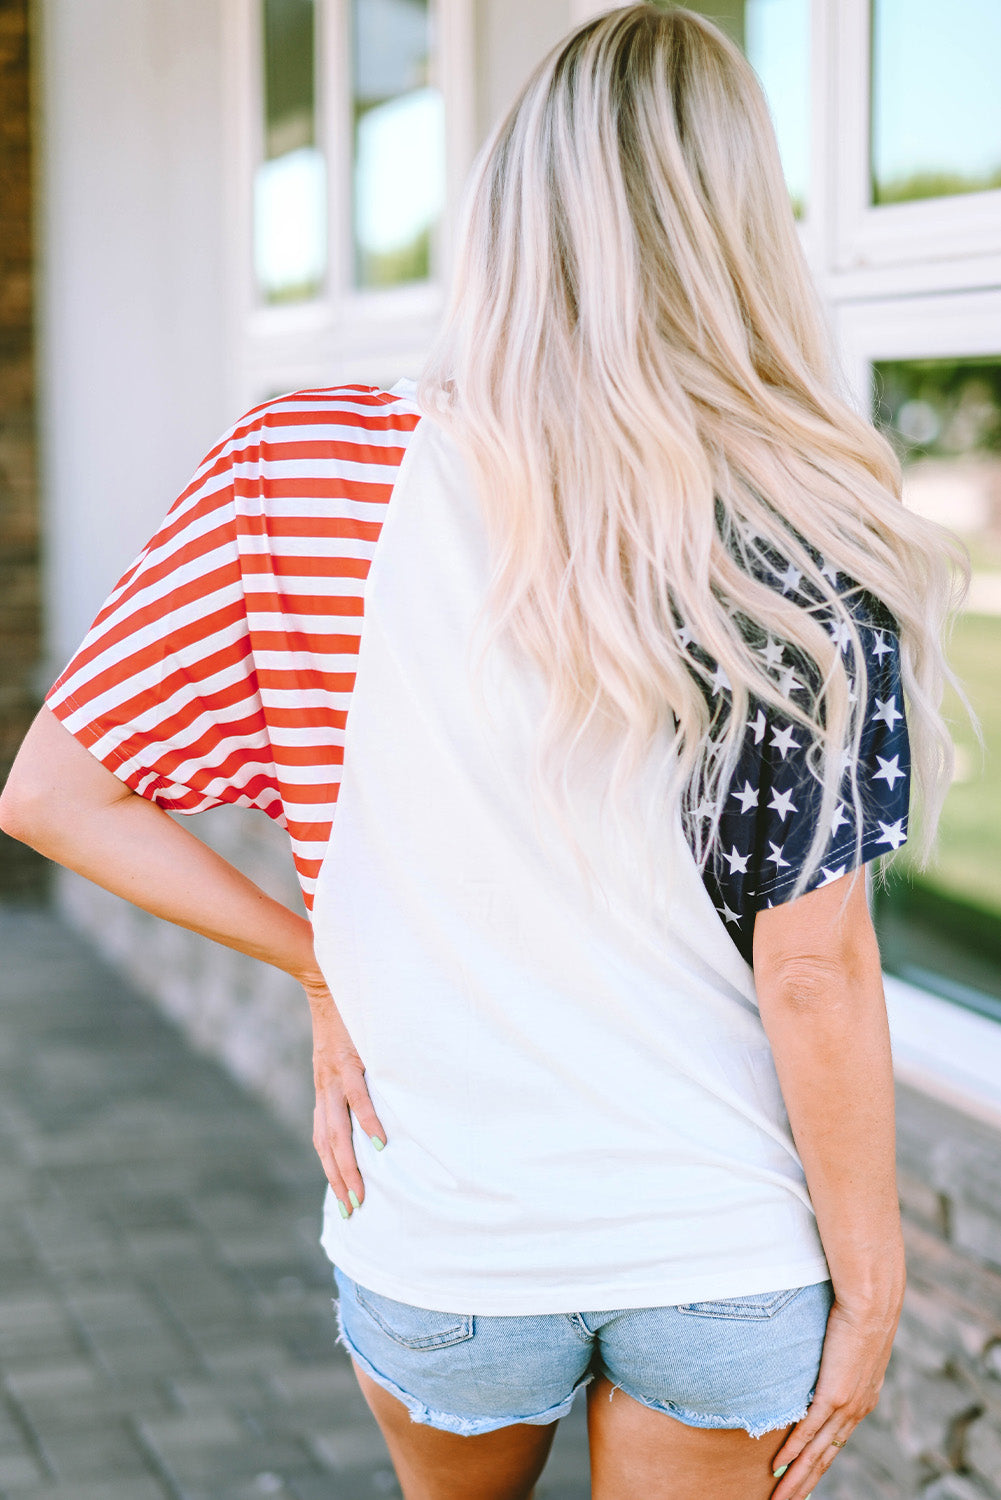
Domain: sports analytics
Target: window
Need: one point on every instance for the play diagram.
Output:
(944, 416)
(290, 191)
(398, 142)
(774, 35)
(936, 106)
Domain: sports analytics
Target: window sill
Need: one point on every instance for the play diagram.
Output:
(944, 1050)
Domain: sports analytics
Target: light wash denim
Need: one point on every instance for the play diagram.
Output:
(747, 1362)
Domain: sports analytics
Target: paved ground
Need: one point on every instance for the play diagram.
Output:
(165, 1322)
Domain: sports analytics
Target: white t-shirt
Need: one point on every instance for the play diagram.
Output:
(580, 1100)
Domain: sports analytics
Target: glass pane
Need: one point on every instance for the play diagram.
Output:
(944, 416)
(399, 142)
(775, 37)
(290, 190)
(936, 103)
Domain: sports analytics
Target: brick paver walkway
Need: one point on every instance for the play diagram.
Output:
(166, 1330)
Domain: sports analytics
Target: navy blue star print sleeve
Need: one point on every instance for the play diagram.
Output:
(771, 804)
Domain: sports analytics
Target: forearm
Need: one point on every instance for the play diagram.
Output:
(831, 1045)
(135, 850)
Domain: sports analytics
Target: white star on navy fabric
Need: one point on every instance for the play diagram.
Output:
(788, 683)
(721, 681)
(768, 810)
(684, 636)
(888, 711)
(889, 770)
(747, 798)
(782, 803)
(758, 725)
(783, 740)
(840, 634)
(772, 654)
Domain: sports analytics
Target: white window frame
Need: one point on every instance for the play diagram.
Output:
(345, 333)
(904, 281)
(939, 1047)
(942, 241)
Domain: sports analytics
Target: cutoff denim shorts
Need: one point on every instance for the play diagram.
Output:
(747, 1362)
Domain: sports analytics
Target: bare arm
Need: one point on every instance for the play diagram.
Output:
(64, 803)
(820, 993)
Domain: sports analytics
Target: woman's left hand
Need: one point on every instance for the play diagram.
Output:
(855, 1355)
(339, 1079)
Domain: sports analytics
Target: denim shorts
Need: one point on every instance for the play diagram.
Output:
(747, 1362)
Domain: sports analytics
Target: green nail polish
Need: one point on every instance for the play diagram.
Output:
(379, 1145)
(354, 1198)
(343, 1208)
(779, 1472)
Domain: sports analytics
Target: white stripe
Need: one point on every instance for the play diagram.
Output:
(306, 661)
(325, 584)
(306, 548)
(106, 704)
(149, 677)
(312, 469)
(312, 736)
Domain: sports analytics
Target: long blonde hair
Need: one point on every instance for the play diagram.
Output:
(635, 363)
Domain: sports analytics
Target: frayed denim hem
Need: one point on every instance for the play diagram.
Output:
(715, 1421)
(447, 1421)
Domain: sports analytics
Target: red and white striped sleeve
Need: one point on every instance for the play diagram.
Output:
(221, 666)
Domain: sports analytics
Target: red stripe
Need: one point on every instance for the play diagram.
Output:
(182, 658)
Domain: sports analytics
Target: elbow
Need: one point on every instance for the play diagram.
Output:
(807, 983)
(812, 982)
(22, 808)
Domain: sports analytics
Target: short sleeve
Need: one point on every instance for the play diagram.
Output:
(163, 689)
(772, 802)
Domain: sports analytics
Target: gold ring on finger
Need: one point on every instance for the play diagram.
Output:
(838, 1442)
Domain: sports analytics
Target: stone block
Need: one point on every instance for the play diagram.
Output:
(924, 1410)
(942, 1268)
(920, 1199)
(982, 1451)
(19, 1471)
(977, 1229)
(937, 1327)
(955, 1487)
(105, 1452)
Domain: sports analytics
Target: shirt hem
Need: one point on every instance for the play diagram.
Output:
(522, 1301)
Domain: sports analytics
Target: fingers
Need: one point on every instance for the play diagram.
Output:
(357, 1095)
(814, 1459)
(333, 1139)
(323, 1145)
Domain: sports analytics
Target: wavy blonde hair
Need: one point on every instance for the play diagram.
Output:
(635, 364)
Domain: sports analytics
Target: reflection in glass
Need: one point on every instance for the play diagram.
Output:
(936, 103)
(399, 142)
(290, 192)
(775, 37)
(944, 417)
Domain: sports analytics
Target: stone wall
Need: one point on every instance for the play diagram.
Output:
(250, 1016)
(21, 871)
(936, 1434)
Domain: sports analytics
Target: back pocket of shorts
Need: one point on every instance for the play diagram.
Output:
(414, 1327)
(756, 1305)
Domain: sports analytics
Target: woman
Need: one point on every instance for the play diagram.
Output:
(577, 673)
